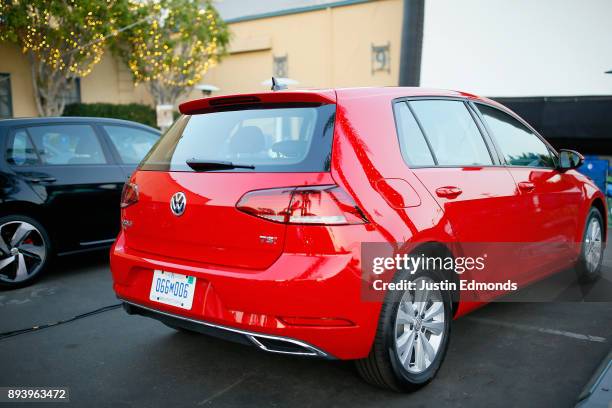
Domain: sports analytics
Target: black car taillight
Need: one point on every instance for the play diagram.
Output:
(129, 195)
(312, 205)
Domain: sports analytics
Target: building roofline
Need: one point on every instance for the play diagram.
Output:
(295, 10)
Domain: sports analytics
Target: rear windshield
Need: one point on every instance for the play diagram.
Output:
(287, 139)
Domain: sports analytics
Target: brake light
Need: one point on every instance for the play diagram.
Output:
(313, 205)
(270, 204)
(129, 195)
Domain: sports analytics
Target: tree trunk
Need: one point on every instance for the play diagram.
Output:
(165, 94)
(50, 87)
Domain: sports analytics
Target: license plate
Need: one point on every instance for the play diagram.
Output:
(172, 289)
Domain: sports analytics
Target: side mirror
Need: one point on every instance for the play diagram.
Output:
(570, 159)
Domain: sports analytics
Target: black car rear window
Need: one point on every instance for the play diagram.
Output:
(278, 139)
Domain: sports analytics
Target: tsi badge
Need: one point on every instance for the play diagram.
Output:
(267, 239)
(178, 202)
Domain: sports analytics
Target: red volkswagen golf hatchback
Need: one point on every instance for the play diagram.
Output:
(248, 219)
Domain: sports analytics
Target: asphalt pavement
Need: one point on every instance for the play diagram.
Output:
(505, 354)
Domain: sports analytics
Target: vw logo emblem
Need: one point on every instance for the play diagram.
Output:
(178, 202)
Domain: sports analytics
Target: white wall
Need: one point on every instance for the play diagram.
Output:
(518, 47)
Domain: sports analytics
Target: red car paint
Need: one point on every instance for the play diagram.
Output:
(306, 284)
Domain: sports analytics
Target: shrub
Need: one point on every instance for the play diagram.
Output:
(132, 111)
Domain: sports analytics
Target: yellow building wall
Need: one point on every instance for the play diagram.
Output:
(13, 62)
(325, 48)
(110, 81)
(355, 29)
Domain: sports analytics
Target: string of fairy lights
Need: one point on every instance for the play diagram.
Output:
(155, 53)
(37, 42)
(180, 59)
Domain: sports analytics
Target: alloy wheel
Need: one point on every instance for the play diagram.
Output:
(593, 244)
(22, 251)
(419, 327)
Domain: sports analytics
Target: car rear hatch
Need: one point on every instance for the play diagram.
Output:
(182, 201)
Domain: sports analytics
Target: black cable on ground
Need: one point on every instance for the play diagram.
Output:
(46, 326)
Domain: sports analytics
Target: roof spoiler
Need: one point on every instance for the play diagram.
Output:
(218, 103)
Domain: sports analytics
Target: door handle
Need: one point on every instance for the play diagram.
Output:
(41, 179)
(448, 192)
(526, 186)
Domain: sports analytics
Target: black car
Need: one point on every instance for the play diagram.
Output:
(61, 184)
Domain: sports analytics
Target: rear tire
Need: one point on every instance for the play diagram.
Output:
(25, 250)
(394, 363)
(589, 263)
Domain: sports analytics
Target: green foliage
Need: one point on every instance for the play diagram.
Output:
(171, 44)
(63, 40)
(133, 111)
(167, 44)
(67, 35)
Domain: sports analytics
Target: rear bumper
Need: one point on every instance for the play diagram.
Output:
(271, 344)
(254, 307)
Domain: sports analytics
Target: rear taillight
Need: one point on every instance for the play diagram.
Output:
(129, 195)
(313, 205)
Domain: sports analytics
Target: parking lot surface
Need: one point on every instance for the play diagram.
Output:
(505, 354)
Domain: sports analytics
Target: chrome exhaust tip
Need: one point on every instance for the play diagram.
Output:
(272, 344)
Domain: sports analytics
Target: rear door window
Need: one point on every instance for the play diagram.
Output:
(287, 139)
(519, 145)
(132, 144)
(452, 133)
(67, 144)
(412, 142)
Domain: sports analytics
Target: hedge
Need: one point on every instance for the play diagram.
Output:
(132, 111)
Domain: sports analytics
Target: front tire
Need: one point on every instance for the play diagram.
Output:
(591, 254)
(412, 337)
(25, 249)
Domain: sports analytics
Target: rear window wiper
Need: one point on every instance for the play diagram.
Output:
(209, 165)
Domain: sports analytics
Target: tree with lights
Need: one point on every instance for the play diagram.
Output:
(171, 45)
(63, 40)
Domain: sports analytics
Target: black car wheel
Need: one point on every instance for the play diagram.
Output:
(412, 337)
(591, 255)
(24, 250)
